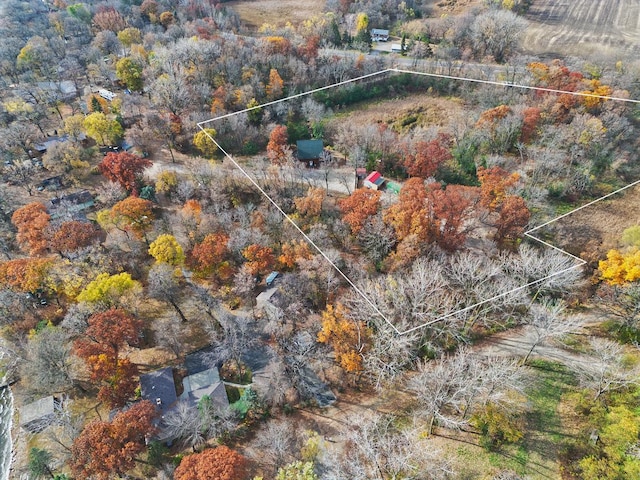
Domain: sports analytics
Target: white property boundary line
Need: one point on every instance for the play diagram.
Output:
(579, 262)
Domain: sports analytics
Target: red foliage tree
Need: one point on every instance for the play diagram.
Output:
(71, 236)
(220, 463)
(31, 222)
(276, 148)
(260, 260)
(105, 449)
(513, 218)
(451, 208)
(530, 120)
(125, 169)
(358, 207)
(107, 334)
(424, 158)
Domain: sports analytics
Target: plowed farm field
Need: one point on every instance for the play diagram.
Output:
(595, 28)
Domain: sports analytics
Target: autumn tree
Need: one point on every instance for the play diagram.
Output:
(219, 463)
(166, 249)
(31, 221)
(348, 337)
(292, 252)
(133, 214)
(108, 332)
(108, 18)
(310, 205)
(276, 148)
(423, 159)
(209, 256)
(620, 268)
(107, 290)
(124, 168)
(102, 129)
(71, 236)
(104, 449)
(530, 119)
(358, 207)
(275, 87)
(513, 218)
(25, 274)
(259, 260)
(494, 185)
(202, 141)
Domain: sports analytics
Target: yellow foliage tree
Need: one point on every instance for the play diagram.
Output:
(167, 182)
(620, 268)
(348, 338)
(108, 289)
(166, 249)
(204, 144)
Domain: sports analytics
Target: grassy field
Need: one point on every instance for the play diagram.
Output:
(275, 12)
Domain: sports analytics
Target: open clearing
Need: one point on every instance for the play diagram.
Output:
(424, 110)
(593, 231)
(602, 28)
(275, 12)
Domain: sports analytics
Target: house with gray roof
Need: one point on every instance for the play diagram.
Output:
(159, 388)
(205, 383)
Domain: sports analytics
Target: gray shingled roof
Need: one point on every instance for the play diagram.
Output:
(159, 388)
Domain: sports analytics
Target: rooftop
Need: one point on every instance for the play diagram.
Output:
(309, 149)
(159, 388)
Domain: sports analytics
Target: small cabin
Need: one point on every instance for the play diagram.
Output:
(379, 35)
(106, 94)
(310, 151)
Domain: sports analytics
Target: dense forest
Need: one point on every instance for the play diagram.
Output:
(370, 310)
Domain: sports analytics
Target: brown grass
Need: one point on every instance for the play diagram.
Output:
(428, 111)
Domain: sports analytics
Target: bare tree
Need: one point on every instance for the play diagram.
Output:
(496, 33)
(547, 320)
(606, 369)
(448, 390)
(277, 444)
(46, 368)
(165, 286)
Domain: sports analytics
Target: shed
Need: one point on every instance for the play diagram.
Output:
(38, 415)
(379, 35)
(374, 181)
(159, 388)
(271, 278)
(310, 149)
(396, 48)
(51, 183)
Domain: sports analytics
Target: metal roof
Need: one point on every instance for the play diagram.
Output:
(159, 388)
(309, 149)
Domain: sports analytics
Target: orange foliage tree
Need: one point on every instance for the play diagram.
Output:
(260, 260)
(275, 87)
(423, 159)
(432, 214)
(494, 183)
(105, 449)
(209, 255)
(276, 148)
(31, 221)
(25, 274)
(108, 332)
(358, 207)
(347, 337)
(598, 90)
(220, 463)
(133, 214)
(71, 236)
(311, 204)
(292, 252)
(125, 169)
